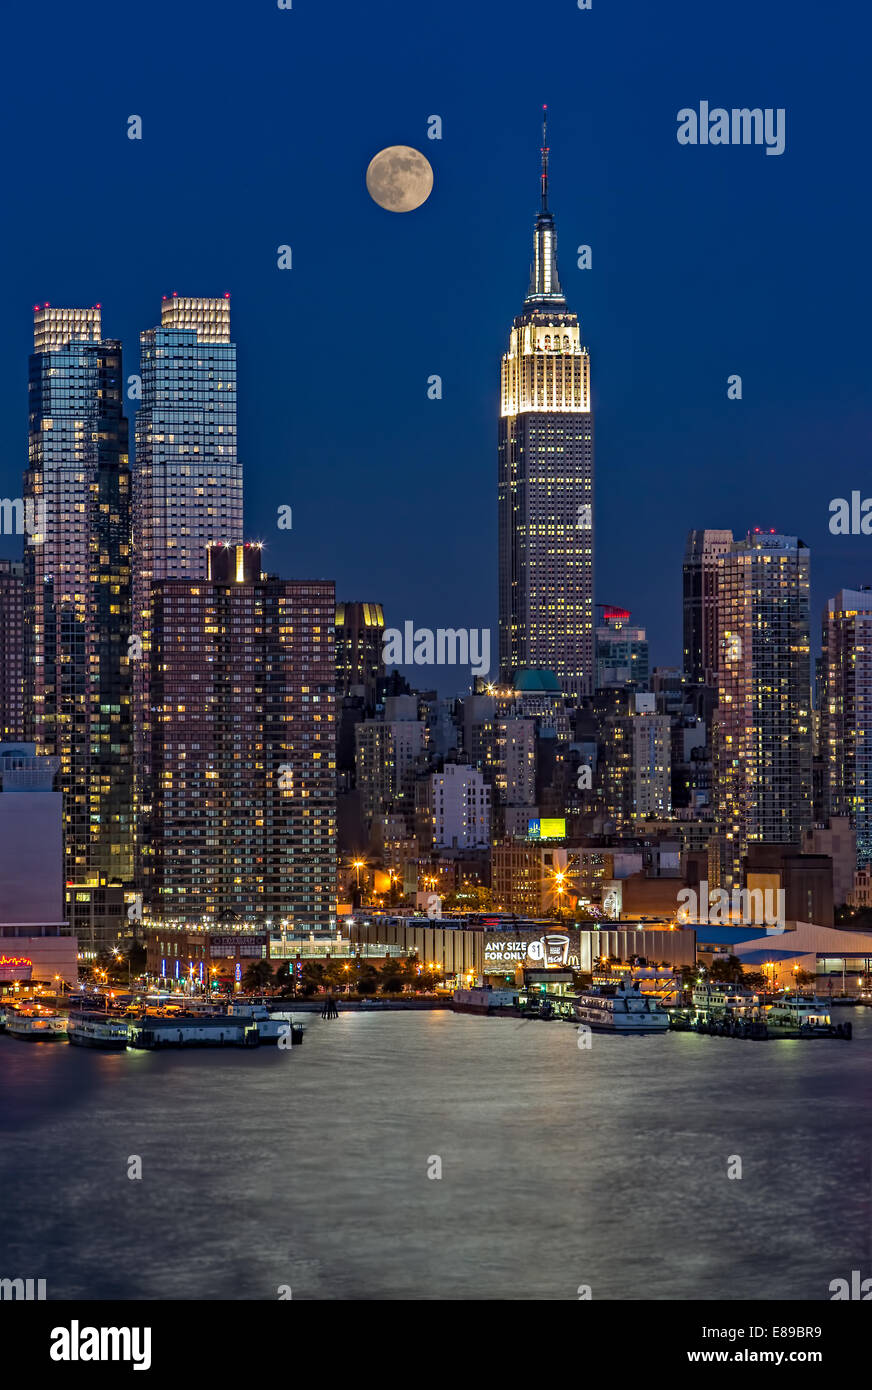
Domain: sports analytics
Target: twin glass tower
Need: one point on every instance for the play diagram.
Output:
(546, 479)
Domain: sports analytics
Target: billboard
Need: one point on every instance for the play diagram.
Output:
(546, 829)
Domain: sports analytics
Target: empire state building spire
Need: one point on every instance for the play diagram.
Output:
(544, 280)
(545, 498)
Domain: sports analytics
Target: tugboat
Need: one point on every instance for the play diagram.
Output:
(35, 1024)
(620, 1008)
(97, 1030)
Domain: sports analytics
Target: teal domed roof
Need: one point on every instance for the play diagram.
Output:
(536, 679)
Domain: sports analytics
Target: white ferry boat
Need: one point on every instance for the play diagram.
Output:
(96, 1030)
(796, 1012)
(712, 1000)
(621, 1008)
(36, 1025)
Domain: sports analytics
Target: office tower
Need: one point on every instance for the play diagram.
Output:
(77, 580)
(621, 651)
(11, 650)
(359, 660)
(846, 712)
(243, 746)
(545, 506)
(187, 480)
(700, 588)
(453, 809)
(635, 764)
(762, 734)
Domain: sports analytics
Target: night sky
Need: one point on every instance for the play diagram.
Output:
(258, 125)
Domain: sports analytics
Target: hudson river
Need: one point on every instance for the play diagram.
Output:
(559, 1167)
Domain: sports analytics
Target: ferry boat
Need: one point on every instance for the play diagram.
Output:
(36, 1025)
(97, 1030)
(713, 1000)
(796, 1014)
(620, 1008)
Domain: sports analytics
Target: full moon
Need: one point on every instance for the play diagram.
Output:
(399, 178)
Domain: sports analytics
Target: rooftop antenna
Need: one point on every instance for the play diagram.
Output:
(544, 158)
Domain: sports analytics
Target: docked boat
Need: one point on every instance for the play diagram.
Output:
(271, 1028)
(482, 999)
(717, 1001)
(620, 1008)
(97, 1030)
(796, 1016)
(36, 1025)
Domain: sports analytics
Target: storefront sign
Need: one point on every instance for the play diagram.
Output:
(15, 968)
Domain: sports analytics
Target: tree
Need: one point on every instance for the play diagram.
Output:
(284, 977)
(313, 976)
(257, 976)
(333, 975)
(727, 971)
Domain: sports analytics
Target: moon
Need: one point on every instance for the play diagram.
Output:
(399, 178)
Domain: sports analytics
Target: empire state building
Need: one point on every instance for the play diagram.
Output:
(546, 479)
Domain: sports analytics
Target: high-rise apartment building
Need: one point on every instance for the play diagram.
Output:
(635, 766)
(762, 736)
(453, 809)
(545, 508)
(187, 481)
(700, 590)
(11, 650)
(243, 746)
(846, 712)
(77, 586)
(386, 754)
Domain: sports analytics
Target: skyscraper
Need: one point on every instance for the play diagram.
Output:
(77, 568)
(762, 738)
(187, 482)
(846, 712)
(700, 590)
(622, 656)
(243, 746)
(11, 651)
(359, 648)
(546, 479)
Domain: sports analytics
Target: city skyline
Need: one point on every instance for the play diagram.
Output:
(683, 291)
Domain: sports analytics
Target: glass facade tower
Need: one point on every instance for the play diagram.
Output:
(77, 587)
(187, 482)
(762, 736)
(846, 712)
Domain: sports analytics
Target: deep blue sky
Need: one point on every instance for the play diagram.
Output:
(258, 127)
